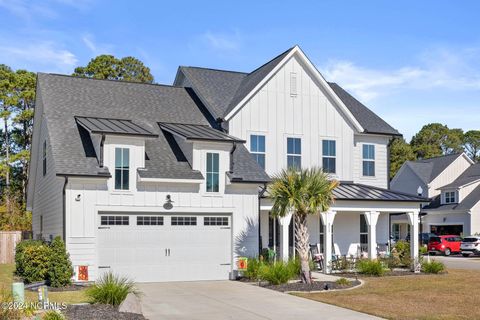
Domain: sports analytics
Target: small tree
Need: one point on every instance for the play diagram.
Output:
(60, 269)
(304, 192)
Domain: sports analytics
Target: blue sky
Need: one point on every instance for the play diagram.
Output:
(412, 62)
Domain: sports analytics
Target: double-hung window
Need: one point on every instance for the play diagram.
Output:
(257, 149)
(368, 160)
(294, 153)
(329, 154)
(213, 174)
(122, 168)
(450, 197)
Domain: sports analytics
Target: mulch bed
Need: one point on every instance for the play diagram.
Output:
(98, 311)
(394, 273)
(314, 286)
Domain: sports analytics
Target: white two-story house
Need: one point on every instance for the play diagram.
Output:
(452, 182)
(168, 183)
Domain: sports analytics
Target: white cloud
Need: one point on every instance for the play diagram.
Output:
(222, 41)
(437, 69)
(41, 56)
(94, 47)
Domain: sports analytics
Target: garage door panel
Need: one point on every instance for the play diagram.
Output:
(167, 252)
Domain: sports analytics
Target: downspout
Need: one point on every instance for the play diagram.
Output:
(64, 213)
(102, 141)
(261, 192)
(234, 147)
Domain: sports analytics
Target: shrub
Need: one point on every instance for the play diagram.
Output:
(277, 273)
(433, 267)
(111, 289)
(253, 267)
(53, 315)
(268, 255)
(5, 312)
(60, 270)
(423, 250)
(32, 260)
(370, 267)
(343, 282)
(401, 250)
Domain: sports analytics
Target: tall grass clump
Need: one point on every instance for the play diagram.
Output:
(111, 289)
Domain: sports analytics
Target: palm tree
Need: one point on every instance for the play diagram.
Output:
(304, 192)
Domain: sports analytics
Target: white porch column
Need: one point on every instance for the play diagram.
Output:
(284, 223)
(372, 217)
(414, 223)
(327, 220)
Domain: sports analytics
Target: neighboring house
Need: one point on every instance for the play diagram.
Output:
(453, 184)
(165, 183)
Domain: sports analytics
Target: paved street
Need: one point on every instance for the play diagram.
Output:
(232, 300)
(459, 262)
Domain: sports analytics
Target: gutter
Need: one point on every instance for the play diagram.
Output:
(64, 209)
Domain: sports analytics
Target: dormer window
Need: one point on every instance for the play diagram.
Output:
(450, 197)
(122, 168)
(213, 172)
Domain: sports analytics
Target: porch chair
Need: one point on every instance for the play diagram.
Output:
(316, 256)
(382, 250)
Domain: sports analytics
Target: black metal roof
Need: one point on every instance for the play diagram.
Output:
(113, 126)
(198, 132)
(356, 191)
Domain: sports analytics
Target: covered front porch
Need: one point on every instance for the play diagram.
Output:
(360, 223)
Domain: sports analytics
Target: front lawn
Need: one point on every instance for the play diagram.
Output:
(448, 296)
(69, 297)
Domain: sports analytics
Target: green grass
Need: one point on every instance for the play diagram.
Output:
(69, 297)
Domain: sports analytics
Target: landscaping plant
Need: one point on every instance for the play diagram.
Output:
(111, 289)
(433, 267)
(301, 192)
(277, 273)
(253, 267)
(53, 315)
(370, 267)
(5, 312)
(343, 282)
(60, 270)
(32, 260)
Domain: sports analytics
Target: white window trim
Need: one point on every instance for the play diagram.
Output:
(450, 193)
(369, 160)
(360, 229)
(206, 174)
(330, 157)
(293, 154)
(115, 190)
(250, 134)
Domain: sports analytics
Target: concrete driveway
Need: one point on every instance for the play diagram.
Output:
(459, 262)
(232, 300)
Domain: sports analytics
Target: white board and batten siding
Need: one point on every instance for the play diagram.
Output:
(308, 113)
(452, 172)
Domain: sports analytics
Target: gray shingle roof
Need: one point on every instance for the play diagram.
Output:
(65, 98)
(198, 132)
(356, 191)
(370, 122)
(222, 90)
(470, 175)
(246, 168)
(112, 126)
(467, 203)
(428, 169)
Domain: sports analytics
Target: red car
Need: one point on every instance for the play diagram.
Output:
(444, 244)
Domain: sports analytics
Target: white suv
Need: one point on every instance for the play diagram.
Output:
(470, 245)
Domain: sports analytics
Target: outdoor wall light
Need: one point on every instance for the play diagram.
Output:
(168, 202)
(78, 197)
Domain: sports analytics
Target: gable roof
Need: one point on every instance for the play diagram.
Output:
(429, 169)
(470, 175)
(466, 204)
(67, 98)
(223, 90)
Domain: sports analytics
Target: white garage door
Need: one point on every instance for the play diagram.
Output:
(156, 248)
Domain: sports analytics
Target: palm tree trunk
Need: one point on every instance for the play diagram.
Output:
(302, 246)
